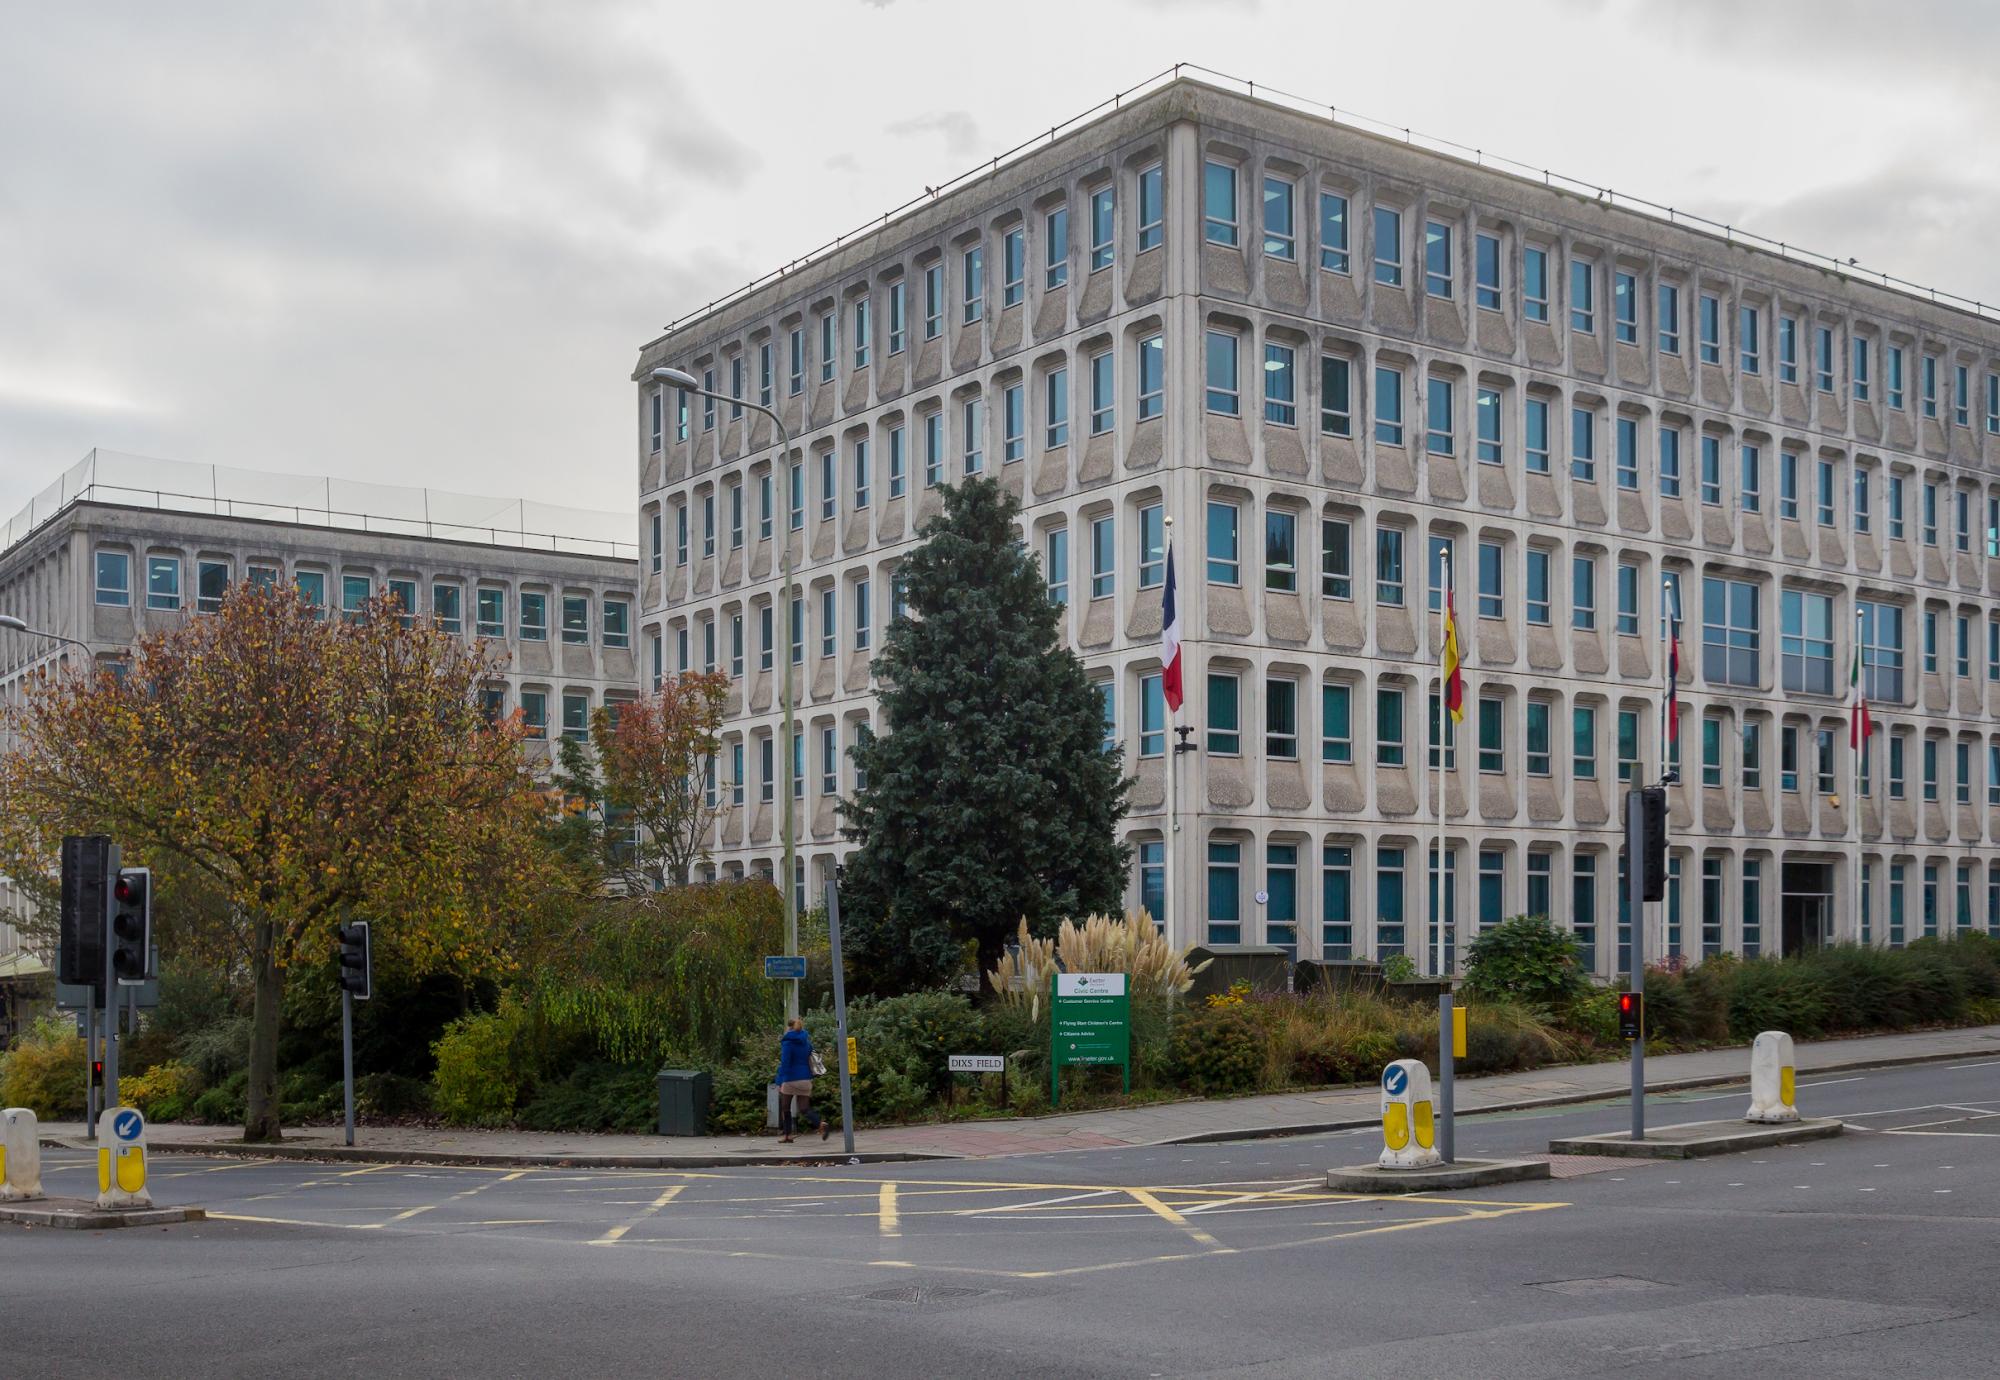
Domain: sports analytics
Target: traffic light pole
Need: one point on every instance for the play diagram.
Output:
(347, 1057)
(112, 859)
(1637, 861)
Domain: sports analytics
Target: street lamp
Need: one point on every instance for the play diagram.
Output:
(781, 658)
(12, 624)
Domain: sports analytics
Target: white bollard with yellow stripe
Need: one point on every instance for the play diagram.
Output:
(20, 1155)
(121, 1159)
(1772, 1079)
(1409, 1119)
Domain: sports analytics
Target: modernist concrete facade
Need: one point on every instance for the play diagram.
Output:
(108, 573)
(1324, 355)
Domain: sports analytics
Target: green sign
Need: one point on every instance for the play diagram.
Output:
(1090, 1022)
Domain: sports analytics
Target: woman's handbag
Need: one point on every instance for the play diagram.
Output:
(818, 1064)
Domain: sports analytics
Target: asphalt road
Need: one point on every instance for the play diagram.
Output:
(1871, 1254)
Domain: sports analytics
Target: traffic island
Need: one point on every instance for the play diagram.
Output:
(1700, 1138)
(83, 1214)
(1436, 1178)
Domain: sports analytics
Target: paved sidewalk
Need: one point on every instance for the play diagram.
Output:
(1167, 1123)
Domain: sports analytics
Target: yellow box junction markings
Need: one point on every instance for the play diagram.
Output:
(612, 1237)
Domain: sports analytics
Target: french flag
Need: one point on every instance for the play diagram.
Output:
(1170, 650)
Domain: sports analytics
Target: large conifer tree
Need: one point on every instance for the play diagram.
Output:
(989, 793)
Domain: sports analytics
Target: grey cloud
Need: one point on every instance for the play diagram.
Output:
(960, 130)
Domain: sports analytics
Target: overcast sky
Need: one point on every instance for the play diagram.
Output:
(421, 241)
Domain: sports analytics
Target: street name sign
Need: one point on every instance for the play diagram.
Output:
(791, 967)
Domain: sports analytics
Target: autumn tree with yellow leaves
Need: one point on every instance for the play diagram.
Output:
(658, 759)
(299, 773)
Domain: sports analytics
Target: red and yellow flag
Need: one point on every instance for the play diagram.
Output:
(1454, 681)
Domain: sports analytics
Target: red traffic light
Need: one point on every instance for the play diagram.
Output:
(126, 889)
(1631, 1015)
(97, 1069)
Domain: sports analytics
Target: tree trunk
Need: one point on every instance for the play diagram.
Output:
(260, 1116)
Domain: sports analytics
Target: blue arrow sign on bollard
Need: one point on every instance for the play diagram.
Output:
(128, 1125)
(1394, 1080)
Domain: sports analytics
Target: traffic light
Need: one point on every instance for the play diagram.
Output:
(132, 925)
(85, 860)
(1631, 1016)
(357, 970)
(1653, 842)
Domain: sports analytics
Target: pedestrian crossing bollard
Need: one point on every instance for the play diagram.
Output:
(121, 1159)
(1772, 1079)
(20, 1155)
(1409, 1119)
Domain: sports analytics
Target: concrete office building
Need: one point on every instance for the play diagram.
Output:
(120, 547)
(1326, 355)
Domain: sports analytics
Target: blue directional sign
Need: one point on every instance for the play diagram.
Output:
(1394, 1080)
(127, 1125)
(788, 966)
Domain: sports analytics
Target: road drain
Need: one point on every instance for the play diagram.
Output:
(923, 1295)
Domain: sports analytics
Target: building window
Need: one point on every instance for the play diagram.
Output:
(1013, 423)
(1218, 203)
(1583, 593)
(973, 286)
(1336, 407)
(1486, 420)
(354, 593)
(1583, 296)
(1013, 267)
(1539, 598)
(1729, 631)
(1280, 226)
(1711, 471)
(1103, 393)
(1152, 215)
(1281, 532)
(1823, 358)
(1336, 711)
(708, 400)
(1333, 246)
(1583, 908)
(933, 301)
(1746, 340)
(1625, 307)
(1628, 745)
(1583, 444)
(617, 621)
(1225, 913)
(1626, 432)
(1389, 567)
(1538, 756)
(1336, 932)
(1152, 716)
(829, 621)
(1535, 437)
(1336, 558)
(1668, 310)
(707, 525)
(899, 331)
(897, 464)
(974, 426)
(1628, 599)
(933, 449)
(1823, 492)
(1961, 401)
(1788, 485)
(1492, 735)
(1152, 376)
(491, 612)
(1583, 743)
(1152, 546)
(1388, 406)
(1670, 462)
(1389, 894)
(1750, 472)
(1535, 283)
(163, 583)
(1225, 721)
(1860, 380)
(1388, 247)
(1281, 886)
(1711, 750)
(829, 487)
(1486, 271)
(1492, 581)
(1388, 728)
(1224, 563)
(1438, 438)
(1280, 386)
(1807, 642)
(1281, 719)
(1437, 259)
(1055, 394)
(1711, 329)
(576, 716)
(796, 497)
(535, 713)
(1222, 389)
(1103, 557)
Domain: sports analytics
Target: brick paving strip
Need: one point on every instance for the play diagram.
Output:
(1188, 1122)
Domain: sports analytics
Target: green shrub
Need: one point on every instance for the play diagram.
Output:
(216, 1051)
(1218, 1049)
(43, 1071)
(1502, 1037)
(165, 1092)
(478, 1079)
(223, 1105)
(596, 1097)
(738, 1098)
(1526, 959)
(389, 1096)
(1777, 994)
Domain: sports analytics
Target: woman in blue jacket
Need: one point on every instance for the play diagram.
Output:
(794, 1083)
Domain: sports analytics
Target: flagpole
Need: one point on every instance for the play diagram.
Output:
(1669, 709)
(1171, 853)
(1857, 743)
(1443, 718)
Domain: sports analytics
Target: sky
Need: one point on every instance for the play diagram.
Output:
(422, 241)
